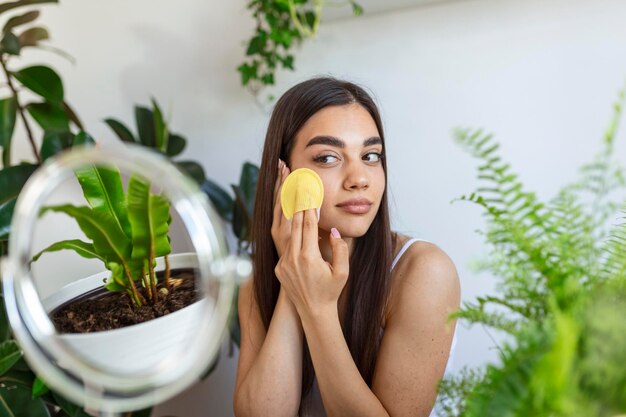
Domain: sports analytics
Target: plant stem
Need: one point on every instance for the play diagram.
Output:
(21, 110)
(152, 276)
(167, 273)
(146, 282)
(138, 297)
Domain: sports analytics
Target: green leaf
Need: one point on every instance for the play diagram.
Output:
(20, 20)
(149, 216)
(84, 249)
(248, 182)
(71, 114)
(32, 36)
(10, 44)
(49, 116)
(12, 179)
(103, 190)
(55, 142)
(8, 112)
(39, 388)
(12, 5)
(145, 126)
(42, 80)
(175, 145)
(192, 169)
(16, 401)
(357, 9)
(121, 131)
(10, 353)
(6, 213)
(71, 409)
(160, 128)
(219, 197)
(83, 138)
(109, 240)
(257, 44)
(5, 328)
(241, 220)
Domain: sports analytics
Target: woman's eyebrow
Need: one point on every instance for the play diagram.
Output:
(333, 141)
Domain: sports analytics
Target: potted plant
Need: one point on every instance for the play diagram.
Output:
(561, 269)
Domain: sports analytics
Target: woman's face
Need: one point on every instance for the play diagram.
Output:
(342, 144)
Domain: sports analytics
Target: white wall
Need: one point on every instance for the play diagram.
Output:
(539, 74)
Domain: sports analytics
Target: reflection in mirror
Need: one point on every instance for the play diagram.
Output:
(120, 290)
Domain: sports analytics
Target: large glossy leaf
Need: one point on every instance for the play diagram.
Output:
(192, 169)
(12, 5)
(42, 80)
(10, 44)
(149, 215)
(12, 179)
(219, 197)
(121, 130)
(247, 184)
(71, 114)
(5, 328)
(241, 219)
(8, 112)
(20, 20)
(50, 116)
(145, 126)
(55, 142)
(6, 213)
(16, 401)
(109, 240)
(160, 128)
(10, 353)
(84, 249)
(83, 138)
(32, 36)
(68, 407)
(175, 145)
(103, 190)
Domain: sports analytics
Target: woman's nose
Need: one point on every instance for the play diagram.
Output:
(356, 177)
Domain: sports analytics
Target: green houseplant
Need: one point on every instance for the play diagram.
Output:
(561, 270)
(280, 25)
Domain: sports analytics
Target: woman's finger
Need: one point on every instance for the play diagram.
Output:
(309, 232)
(295, 241)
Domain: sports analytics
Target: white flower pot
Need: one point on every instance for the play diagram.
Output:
(138, 347)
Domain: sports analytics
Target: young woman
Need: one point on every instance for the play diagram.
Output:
(343, 317)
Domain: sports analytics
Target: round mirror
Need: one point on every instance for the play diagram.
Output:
(118, 283)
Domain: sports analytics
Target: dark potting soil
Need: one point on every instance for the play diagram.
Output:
(101, 309)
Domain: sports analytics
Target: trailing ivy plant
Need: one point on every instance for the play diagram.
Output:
(280, 24)
(561, 302)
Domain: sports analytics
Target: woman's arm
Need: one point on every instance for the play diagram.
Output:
(414, 350)
(269, 372)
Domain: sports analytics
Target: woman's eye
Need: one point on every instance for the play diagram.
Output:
(373, 157)
(325, 159)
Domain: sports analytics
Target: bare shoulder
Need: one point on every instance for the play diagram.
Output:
(425, 274)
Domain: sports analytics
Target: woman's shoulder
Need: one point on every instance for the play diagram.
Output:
(424, 271)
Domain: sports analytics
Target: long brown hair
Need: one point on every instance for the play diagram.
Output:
(370, 262)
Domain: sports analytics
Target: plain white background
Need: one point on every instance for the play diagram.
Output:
(540, 74)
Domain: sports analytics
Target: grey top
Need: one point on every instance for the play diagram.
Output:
(316, 406)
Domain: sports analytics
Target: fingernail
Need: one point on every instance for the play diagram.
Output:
(335, 233)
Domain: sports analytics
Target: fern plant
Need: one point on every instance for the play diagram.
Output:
(561, 270)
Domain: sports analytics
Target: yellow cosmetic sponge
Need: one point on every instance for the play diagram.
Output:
(302, 190)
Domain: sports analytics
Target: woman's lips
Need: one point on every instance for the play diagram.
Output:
(356, 208)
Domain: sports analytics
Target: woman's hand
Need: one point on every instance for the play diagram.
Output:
(281, 227)
(312, 284)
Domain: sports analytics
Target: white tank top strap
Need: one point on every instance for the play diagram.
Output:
(404, 248)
